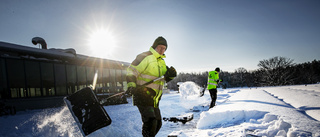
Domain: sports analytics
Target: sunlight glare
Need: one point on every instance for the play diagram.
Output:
(102, 43)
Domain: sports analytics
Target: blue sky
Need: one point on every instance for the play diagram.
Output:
(201, 34)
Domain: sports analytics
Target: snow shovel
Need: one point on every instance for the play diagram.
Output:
(86, 110)
(202, 92)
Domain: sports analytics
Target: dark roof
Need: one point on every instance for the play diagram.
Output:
(64, 55)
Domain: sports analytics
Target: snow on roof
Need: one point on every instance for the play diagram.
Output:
(24, 50)
(15, 50)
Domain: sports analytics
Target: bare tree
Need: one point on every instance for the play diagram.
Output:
(240, 76)
(276, 70)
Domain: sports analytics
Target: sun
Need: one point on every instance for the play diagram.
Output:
(102, 43)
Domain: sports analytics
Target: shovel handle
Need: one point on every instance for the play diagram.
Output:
(121, 93)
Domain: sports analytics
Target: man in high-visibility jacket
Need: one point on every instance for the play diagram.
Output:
(213, 80)
(146, 67)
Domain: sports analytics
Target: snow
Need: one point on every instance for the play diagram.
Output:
(266, 111)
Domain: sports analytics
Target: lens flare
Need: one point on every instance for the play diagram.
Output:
(102, 43)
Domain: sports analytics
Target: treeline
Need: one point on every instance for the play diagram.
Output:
(276, 71)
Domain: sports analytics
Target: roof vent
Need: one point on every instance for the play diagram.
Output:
(41, 41)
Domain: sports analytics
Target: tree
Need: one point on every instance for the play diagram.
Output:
(198, 78)
(276, 71)
(308, 72)
(240, 76)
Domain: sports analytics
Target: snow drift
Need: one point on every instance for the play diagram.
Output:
(265, 111)
(223, 119)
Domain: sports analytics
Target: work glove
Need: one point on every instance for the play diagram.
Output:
(170, 74)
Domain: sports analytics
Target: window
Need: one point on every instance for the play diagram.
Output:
(119, 80)
(33, 79)
(106, 80)
(99, 84)
(90, 75)
(113, 84)
(61, 79)
(124, 80)
(47, 79)
(3, 80)
(81, 73)
(71, 79)
(16, 79)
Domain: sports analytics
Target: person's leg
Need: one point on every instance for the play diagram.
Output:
(159, 120)
(149, 127)
(149, 121)
(214, 97)
(211, 91)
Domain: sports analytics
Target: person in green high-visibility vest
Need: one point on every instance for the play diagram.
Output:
(213, 81)
(146, 67)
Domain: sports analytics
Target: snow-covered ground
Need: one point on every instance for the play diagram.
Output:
(266, 111)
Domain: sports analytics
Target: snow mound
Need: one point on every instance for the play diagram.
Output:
(210, 119)
(252, 122)
(270, 125)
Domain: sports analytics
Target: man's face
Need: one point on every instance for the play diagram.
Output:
(161, 49)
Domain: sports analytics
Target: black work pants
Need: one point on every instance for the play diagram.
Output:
(213, 95)
(151, 120)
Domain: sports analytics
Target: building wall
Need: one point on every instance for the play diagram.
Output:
(32, 83)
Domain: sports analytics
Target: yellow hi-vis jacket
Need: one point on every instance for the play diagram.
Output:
(146, 67)
(213, 79)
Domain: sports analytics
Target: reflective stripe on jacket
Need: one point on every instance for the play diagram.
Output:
(146, 67)
(213, 78)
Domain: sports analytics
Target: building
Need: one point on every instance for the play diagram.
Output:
(33, 78)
